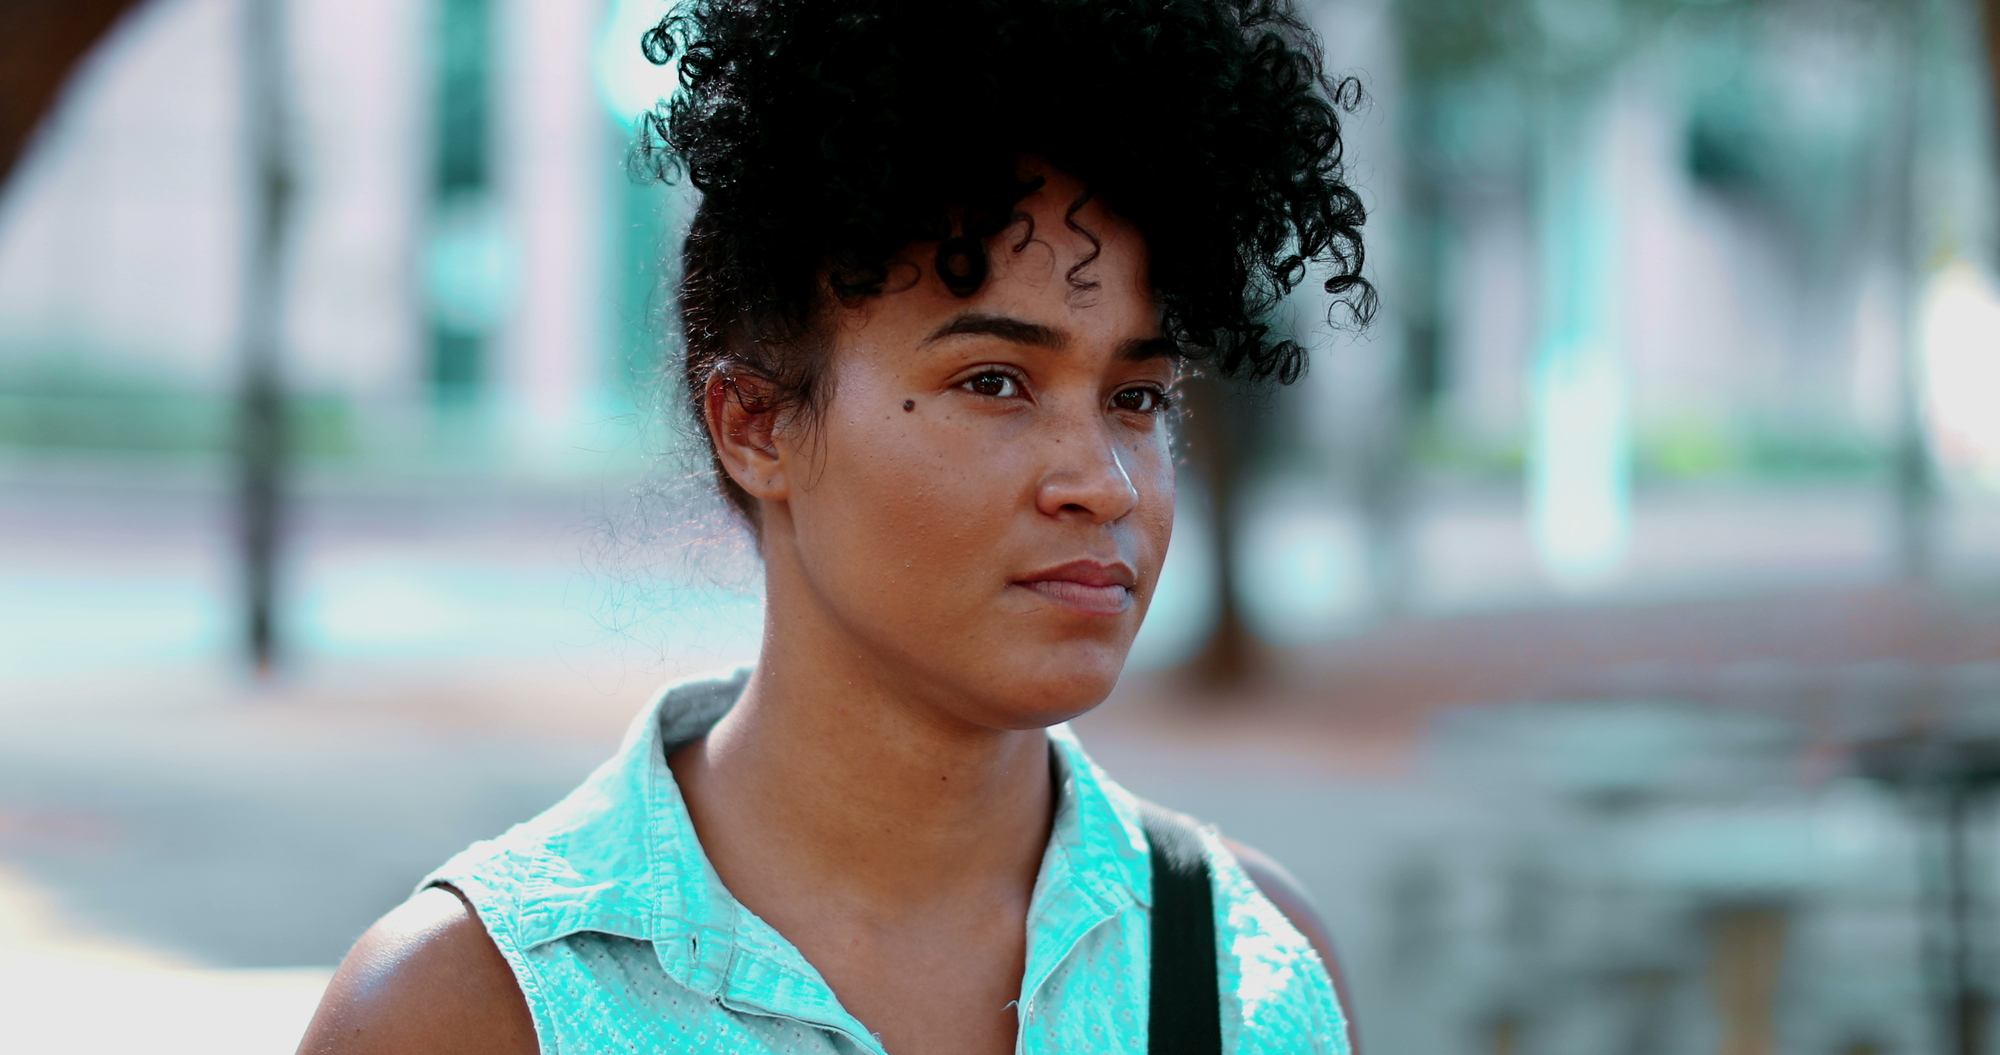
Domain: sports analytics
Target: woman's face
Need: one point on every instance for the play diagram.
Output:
(983, 504)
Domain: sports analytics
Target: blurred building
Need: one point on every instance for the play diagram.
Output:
(1667, 478)
(460, 217)
(1639, 260)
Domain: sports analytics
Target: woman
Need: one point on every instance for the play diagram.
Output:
(949, 261)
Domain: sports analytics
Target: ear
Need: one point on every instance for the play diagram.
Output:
(742, 420)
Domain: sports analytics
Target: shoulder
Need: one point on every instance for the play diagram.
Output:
(1289, 895)
(425, 978)
(1285, 892)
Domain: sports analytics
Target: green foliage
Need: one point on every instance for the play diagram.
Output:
(57, 406)
(1446, 38)
(1449, 39)
(1769, 449)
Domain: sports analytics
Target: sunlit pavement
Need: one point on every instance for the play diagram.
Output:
(67, 991)
(246, 827)
(204, 849)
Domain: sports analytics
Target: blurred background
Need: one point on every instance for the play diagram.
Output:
(1609, 638)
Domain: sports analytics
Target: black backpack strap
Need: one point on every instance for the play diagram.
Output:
(1186, 1008)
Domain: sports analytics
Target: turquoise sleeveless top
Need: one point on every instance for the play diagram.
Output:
(623, 938)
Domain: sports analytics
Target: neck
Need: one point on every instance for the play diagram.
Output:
(833, 767)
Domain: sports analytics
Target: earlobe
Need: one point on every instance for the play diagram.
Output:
(742, 423)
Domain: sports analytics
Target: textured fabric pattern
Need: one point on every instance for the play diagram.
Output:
(624, 939)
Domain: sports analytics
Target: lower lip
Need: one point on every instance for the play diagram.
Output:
(1091, 600)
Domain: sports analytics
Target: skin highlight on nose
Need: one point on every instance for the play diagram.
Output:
(1100, 490)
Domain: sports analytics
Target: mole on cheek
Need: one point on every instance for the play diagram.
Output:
(909, 405)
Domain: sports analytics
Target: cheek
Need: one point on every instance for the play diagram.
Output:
(898, 496)
(1153, 475)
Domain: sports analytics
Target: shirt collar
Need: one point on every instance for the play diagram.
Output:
(619, 856)
(1097, 863)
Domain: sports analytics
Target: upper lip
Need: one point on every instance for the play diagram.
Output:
(1089, 573)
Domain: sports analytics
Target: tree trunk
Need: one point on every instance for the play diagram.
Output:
(1220, 452)
(261, 442)
(1991, 10)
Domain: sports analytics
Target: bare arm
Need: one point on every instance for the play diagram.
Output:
(425, 979)
(1286, 893)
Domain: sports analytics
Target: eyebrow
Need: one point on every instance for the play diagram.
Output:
(1021, 331)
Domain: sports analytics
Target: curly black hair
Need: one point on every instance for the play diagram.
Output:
(827, 136)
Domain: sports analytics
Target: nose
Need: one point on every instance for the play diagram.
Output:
(1086, 477)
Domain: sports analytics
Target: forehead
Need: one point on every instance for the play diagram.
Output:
(1080, 270)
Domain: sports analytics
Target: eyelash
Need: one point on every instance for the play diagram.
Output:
(1161, 401)
(1004, 375)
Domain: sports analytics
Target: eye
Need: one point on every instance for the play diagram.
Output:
(994, 383)
(1142, 399)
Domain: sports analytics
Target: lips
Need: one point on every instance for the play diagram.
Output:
(1086, 586)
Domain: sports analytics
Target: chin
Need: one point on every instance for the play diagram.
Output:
(1063, 685)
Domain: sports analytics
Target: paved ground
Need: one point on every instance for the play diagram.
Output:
(250, 830)
(75, 991)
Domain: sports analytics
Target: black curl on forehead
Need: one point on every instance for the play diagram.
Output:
(827, 136)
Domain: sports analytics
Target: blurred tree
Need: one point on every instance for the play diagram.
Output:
(1446, 45)
(1498, 104)
(1990, 9)
(1227, 432)
(1911, 478)
(1834, 176)
(41, 43)
(1222, 440)
(263, 441)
